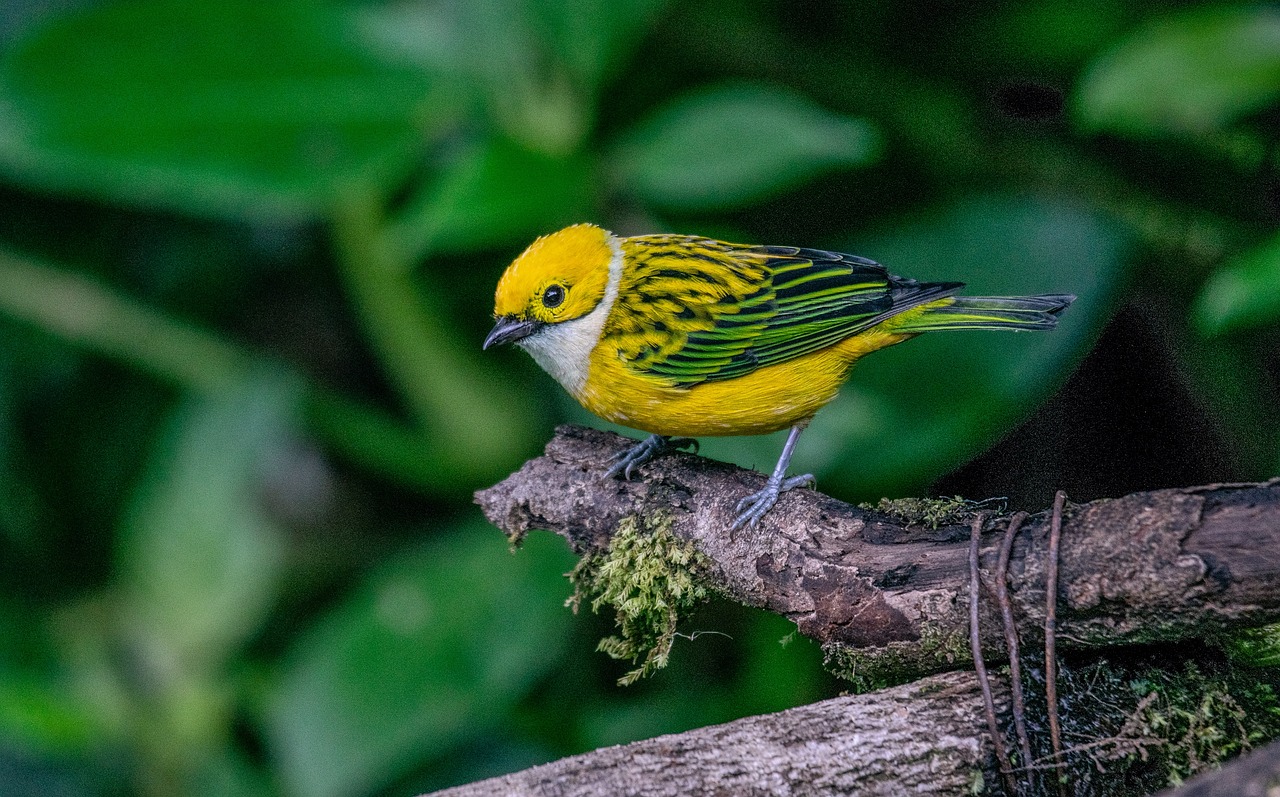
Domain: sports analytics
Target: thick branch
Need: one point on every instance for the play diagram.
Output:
(921, 738)
(880, 592)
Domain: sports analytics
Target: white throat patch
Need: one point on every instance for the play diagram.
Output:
(564, 349)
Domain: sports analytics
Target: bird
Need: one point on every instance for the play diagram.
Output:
(683, 336)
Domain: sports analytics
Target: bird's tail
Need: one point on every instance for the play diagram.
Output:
(991, 312)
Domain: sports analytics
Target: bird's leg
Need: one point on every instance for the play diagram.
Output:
(754, 506)
(626, 462)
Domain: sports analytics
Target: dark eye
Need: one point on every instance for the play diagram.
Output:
(553, 296)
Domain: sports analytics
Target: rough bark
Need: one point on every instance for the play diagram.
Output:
(922, 738)
(883, 593)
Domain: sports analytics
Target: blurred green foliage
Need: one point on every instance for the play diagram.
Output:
(247, 253)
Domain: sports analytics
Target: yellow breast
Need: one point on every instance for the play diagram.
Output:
(766, 400)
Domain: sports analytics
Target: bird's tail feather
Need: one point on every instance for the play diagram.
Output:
(991, 312)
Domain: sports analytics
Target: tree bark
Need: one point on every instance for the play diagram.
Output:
(887, 597)
(922, 738)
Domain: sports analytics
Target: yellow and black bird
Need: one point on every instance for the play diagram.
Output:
(683, 336)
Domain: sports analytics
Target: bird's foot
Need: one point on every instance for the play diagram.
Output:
(756, 505)
(627, 461)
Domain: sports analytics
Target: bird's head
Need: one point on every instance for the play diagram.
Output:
(560, 278)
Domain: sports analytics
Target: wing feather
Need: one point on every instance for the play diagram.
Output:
(692, 310)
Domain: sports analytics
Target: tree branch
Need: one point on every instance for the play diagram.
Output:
(921, 738)
(887, 597)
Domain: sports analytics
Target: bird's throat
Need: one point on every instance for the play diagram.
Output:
(564, 349)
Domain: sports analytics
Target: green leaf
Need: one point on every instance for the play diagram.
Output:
(20, 505)
(729, 146)
(493, 49)
(42, 712)
(37, 711)
(236, 108)
(1187, 73)
(417, 661)
(1243, 293)
(593, 37)
(228, 773)
(491, 193)
(199, 560)
(539, 64)
(912, 413)
(1256, 647)
(1052, 36)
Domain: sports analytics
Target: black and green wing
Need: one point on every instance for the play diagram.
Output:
(696, 310)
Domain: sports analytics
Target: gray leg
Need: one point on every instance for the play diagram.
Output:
(626, 462)
(754, 506)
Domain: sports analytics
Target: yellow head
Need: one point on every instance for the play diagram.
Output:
(552, 299)
(560, 276)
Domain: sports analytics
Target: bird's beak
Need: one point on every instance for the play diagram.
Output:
(510, 330)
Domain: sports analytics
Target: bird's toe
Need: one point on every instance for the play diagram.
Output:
(807, 480)
(750, 509)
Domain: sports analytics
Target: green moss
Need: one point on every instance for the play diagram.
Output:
(1132, 723)
(867, 669)
(931, 512)
(1204, 719)
(1140, 725)
(1257, 647)
(649, 577)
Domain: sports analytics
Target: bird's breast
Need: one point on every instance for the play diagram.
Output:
(768, 399)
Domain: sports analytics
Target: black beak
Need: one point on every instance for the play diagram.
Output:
(509, 330)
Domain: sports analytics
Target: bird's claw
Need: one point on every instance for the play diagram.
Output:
(756, 505)
(625, 462)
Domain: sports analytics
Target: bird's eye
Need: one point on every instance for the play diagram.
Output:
(553, 296)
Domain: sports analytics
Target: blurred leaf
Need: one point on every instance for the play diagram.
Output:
(774, 668)
(489, 40)
(107, 322)
(199, 560)
(20, 509)
(418, 661)
(539, 64)
(916, 411)
(491, 193)
(229, 775)
(232, 108)
(593, 37)
(1245, 292)
(732, 145)
(475, 422)
(1193, 72)
(27, 776)
(493, 48)
(40, 715)
(1049, 35)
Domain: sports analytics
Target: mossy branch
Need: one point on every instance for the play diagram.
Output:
(649, 577)
(885, 592)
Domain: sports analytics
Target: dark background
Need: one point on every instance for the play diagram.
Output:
(247, 255)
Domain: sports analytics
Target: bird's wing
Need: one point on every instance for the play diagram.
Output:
(693, 310)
